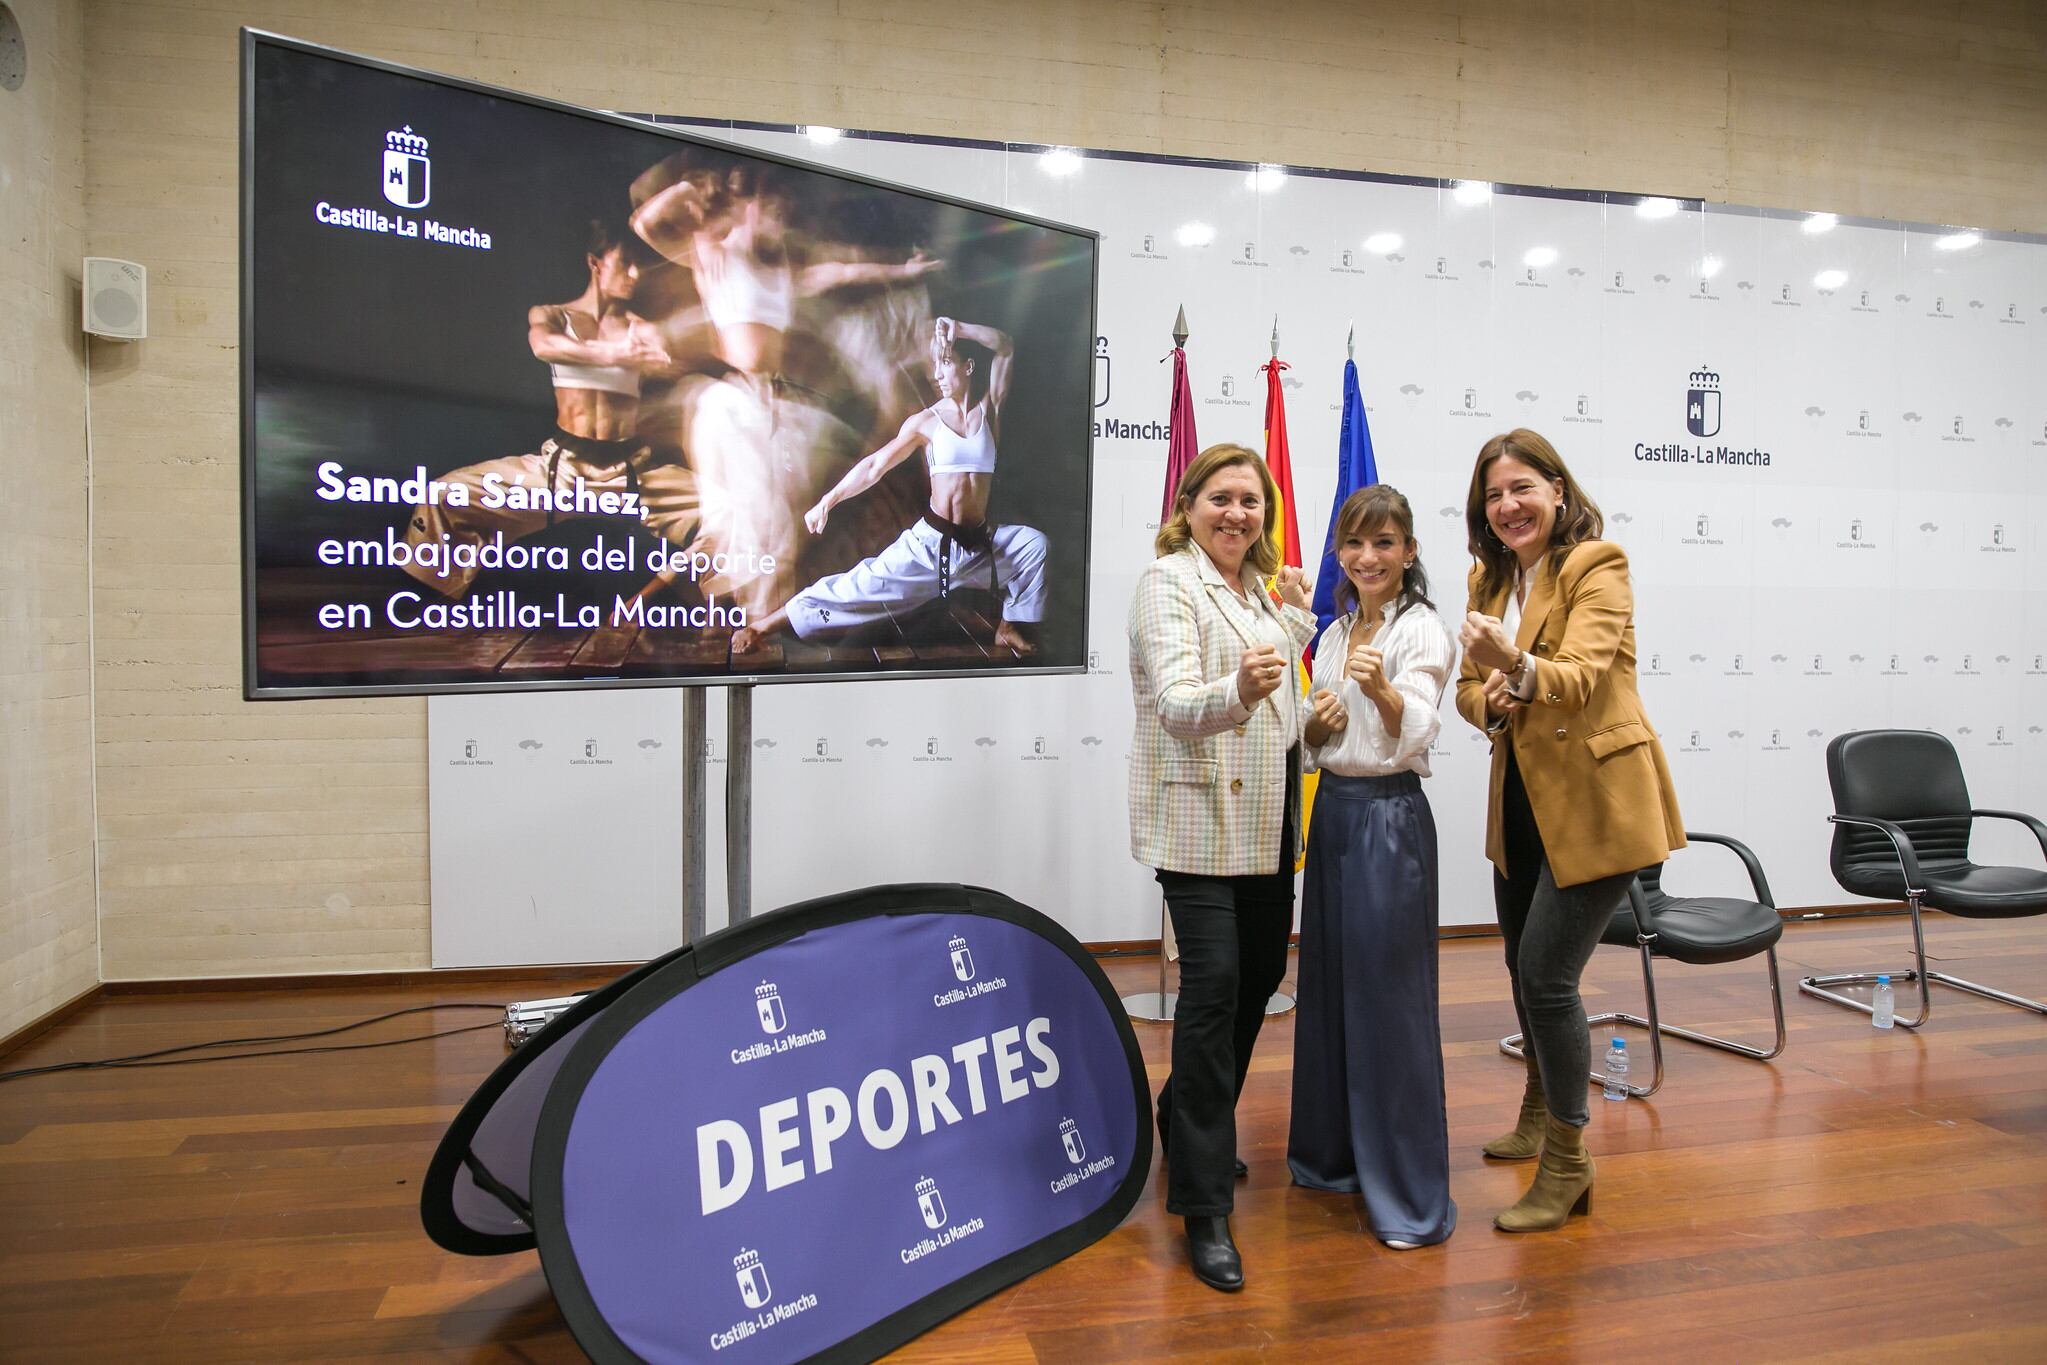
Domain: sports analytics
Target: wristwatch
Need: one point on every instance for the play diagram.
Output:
(1520, 671)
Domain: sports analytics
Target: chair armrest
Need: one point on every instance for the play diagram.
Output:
(2039, 830)
(1915, 884)
(1742, 851)
(1645, 926)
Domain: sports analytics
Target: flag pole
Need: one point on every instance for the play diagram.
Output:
(1280, 1002)
(1158, 1008)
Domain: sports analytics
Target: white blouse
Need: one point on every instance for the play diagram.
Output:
(1265, 627)
(1420, 656)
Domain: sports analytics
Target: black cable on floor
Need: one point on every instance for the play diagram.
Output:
(149, 1058)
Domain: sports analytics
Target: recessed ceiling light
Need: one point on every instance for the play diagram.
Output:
(1060, 161)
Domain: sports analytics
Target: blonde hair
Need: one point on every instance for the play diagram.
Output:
(1176, 534)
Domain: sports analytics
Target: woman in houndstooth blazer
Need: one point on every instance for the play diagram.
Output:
(1215, 809)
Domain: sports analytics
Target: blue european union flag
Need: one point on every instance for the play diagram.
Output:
(1355, 469)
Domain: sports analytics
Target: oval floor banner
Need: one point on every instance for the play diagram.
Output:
(832, 1127)
(475, 1198)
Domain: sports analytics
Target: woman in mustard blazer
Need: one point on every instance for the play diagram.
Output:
(1581, 796)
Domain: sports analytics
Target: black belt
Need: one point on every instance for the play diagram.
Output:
(976, 537)
(603, 454)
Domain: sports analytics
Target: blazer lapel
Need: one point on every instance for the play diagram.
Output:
(1212, 579)
(1536, 609)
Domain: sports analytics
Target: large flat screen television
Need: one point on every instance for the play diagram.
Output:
(536, 396)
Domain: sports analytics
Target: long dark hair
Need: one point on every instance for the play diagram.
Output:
(1364, 513)
(1578, 520)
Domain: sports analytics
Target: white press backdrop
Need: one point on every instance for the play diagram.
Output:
(1871, 554)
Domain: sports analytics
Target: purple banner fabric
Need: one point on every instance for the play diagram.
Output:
(892, 1111)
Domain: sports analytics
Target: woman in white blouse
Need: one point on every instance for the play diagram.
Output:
(1368, 1058)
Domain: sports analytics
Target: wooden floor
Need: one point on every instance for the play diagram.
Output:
(1867, 1196)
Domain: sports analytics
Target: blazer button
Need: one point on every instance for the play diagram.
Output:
(1560, 732)
(1553, 699)
(1237, 783)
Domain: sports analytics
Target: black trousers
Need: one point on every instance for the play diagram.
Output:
(1233, 935)
(1550, 932)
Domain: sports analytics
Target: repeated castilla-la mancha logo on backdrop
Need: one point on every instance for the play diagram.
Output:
(1705, 409)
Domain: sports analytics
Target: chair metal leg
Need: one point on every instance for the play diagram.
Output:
(1511, 1044)
(1817, 985)
(1987, 992)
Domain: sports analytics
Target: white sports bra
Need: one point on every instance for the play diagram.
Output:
(952, 453)
(604, 378)
(737, 287)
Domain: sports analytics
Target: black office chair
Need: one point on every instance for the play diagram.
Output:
(1902, 820)
(1697, 929)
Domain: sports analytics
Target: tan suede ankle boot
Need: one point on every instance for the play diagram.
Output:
(1563, 1182)
(1525, 1142)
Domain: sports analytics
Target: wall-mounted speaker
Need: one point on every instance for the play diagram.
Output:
(116, 299)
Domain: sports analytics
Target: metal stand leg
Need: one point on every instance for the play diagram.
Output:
(693, 821)
(739, 803)
(1817, 985)
(1154, 1007)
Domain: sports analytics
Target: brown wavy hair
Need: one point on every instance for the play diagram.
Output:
(1579, 520)
(1364, 512)
(1176, 534)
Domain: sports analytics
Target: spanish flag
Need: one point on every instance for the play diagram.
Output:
(1284, 528)
(1286, 532)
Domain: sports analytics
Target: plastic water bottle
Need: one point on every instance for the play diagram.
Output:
(1617, 1070)
(1883, 1005)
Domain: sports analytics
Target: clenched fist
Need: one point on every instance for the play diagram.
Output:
(1325, 708)
(1485, 642)
(1259, 674)
(1366, 667)
(1292, 586)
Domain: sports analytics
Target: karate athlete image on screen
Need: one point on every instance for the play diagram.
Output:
(760, 443)
(953, 544)
(598, 352)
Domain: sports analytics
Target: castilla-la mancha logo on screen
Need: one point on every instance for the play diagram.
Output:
(408, 175)
(1702, 404)
(962, 958)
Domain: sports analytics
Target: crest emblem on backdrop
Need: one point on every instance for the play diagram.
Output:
(1702, 404)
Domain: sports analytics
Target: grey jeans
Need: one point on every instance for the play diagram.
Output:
(1550, 933)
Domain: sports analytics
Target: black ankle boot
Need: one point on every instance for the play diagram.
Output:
(1214, 1255)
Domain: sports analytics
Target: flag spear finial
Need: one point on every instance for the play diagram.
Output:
(1275, 336)
(1350, 343)
(1180, 332)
